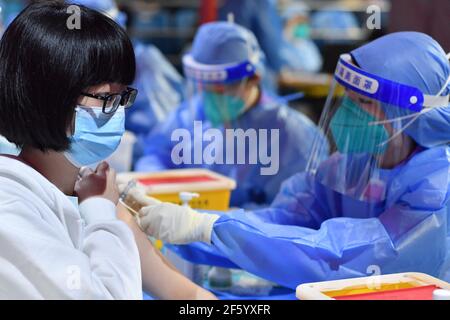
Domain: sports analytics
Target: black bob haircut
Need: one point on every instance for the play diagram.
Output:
(45, 65)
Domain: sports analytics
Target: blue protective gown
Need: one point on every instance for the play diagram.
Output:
(313, 233)
(296, 134)
(160, 89)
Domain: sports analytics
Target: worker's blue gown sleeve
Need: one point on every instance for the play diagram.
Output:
(312, 233)
(158, 144)
(296, 135)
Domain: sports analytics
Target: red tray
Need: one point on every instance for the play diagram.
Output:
(419, 293)
(165, 180)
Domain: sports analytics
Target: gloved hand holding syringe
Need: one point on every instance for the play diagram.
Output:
(168, 222)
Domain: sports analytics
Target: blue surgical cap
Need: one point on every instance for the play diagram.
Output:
(417, 60)
(218, 43)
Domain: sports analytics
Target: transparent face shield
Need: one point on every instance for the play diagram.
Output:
(364, 119)
(222, 92)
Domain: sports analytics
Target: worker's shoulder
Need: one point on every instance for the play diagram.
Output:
(294, 120)
(274, 106)
(189, 110)
(438, 156)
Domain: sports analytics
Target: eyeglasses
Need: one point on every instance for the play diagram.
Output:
(112, 102)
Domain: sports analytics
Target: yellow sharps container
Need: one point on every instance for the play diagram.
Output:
(214, 189)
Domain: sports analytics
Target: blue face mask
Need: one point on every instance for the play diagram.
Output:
(302, 31)
(96, 137)
(353, 134)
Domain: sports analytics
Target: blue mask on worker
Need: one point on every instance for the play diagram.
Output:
(222, 108)
(353, 133)
(97, 135)
(302, 31)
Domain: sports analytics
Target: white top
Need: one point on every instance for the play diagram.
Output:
(50, 249)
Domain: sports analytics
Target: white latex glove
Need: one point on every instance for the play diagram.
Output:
(175, 224)
(166, 221)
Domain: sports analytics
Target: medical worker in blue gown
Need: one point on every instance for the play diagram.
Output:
(224, 71)
(379, 202)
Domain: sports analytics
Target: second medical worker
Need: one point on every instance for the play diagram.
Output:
(224, 71)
